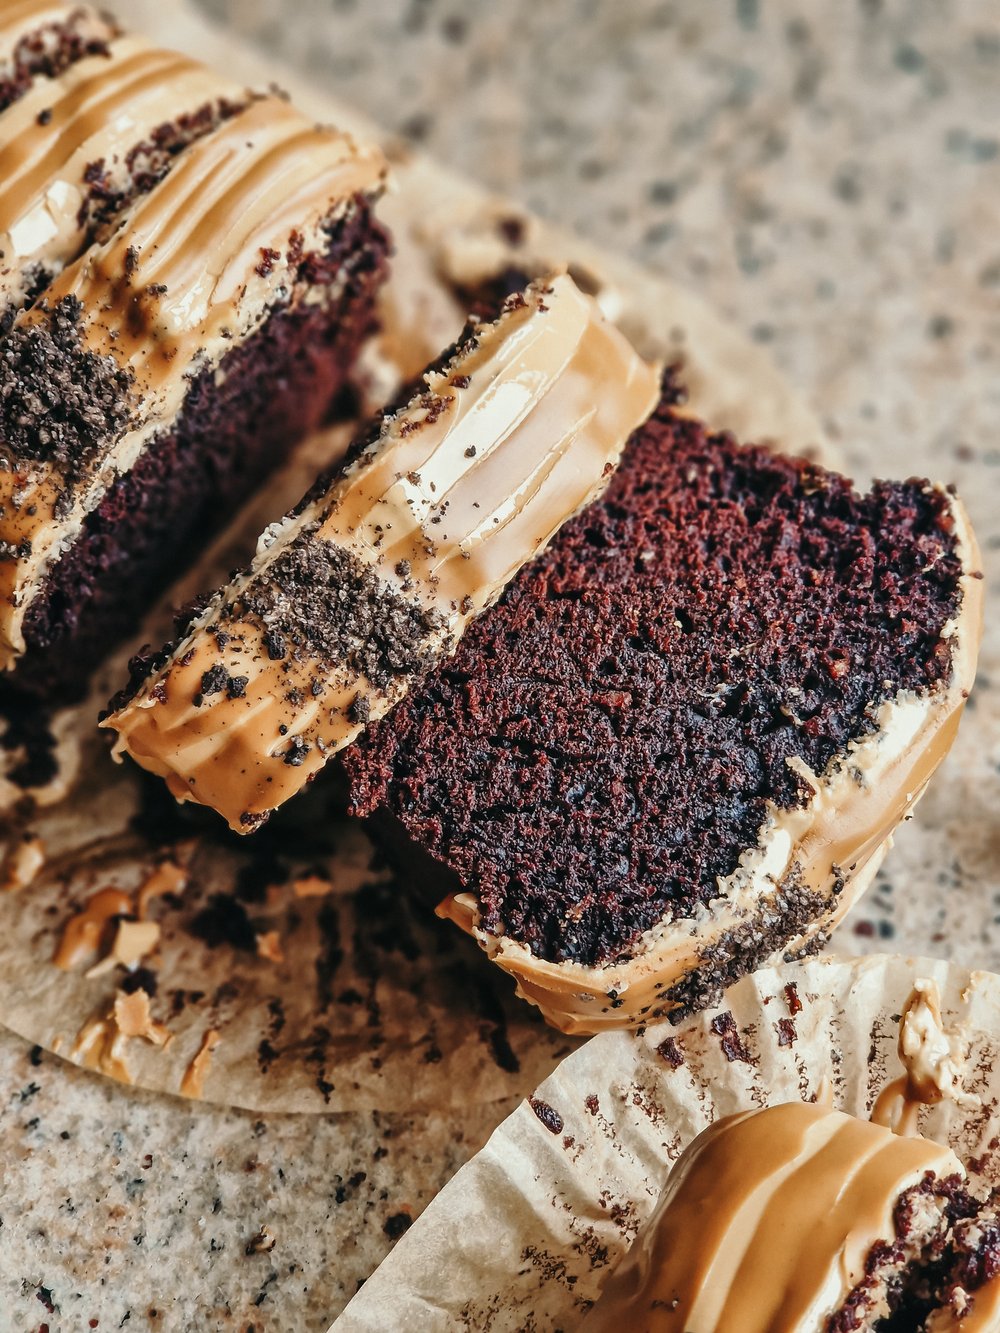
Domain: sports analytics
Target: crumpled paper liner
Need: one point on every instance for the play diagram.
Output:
(365, 1000)
(526, 1232)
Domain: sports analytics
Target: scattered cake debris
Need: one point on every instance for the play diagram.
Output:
(193, 1082)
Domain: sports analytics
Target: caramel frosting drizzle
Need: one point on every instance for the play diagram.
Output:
(168, 294)
(460, 489)
(766, 1222)
(95, 112)
(933, 1060)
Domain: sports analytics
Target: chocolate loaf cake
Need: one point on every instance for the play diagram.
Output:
(679, 744)
(188, 271)
(380, 570)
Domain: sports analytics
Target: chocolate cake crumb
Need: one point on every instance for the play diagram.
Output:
(236, 686)
(295, 755)
(359, 710)
(724, 1027)
(59, 401)
(224, 921)
(142, 978)
(547, 1114)
(786, 1032)
(275, 645)
(214, 680)
(669, 1051)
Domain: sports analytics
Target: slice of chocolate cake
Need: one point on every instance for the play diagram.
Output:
(378, 573)
(679, 744)
(208, 263)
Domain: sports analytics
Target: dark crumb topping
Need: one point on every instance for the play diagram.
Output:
(146, 164)
(59, 402)
(320, 598)
(604, 742)
(46, 53)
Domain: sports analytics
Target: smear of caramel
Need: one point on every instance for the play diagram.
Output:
(82, 933)
(193, 1082)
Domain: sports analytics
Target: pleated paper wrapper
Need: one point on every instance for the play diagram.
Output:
(525, 1234)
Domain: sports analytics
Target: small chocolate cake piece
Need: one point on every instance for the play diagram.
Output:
(679, 744)
(380, 570)
(796, 1218)
(189, 270)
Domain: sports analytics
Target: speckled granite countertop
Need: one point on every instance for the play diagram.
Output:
(827, 176)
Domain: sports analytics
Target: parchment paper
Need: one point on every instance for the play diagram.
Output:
(365, 1000)
(526, 1232)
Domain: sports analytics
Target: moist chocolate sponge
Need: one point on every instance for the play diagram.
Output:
(604, 742)
(236, 427)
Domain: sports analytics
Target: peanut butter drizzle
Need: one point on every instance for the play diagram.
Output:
(177, 284)
(96, 111)
(461, 488)
(82, 933)
(765, 1224)
(933, 1062)
(193, 1082)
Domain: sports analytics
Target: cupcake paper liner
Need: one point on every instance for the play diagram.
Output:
(527, 1231)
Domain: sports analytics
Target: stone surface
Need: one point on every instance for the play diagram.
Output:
(826, 176)
(141, 1211)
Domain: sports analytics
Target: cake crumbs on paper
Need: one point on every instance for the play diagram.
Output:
(269, 947)
(168, 877)
(133, 1018)
(135, 937)
(22, 864)
(193, 1082)
(83, 931)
